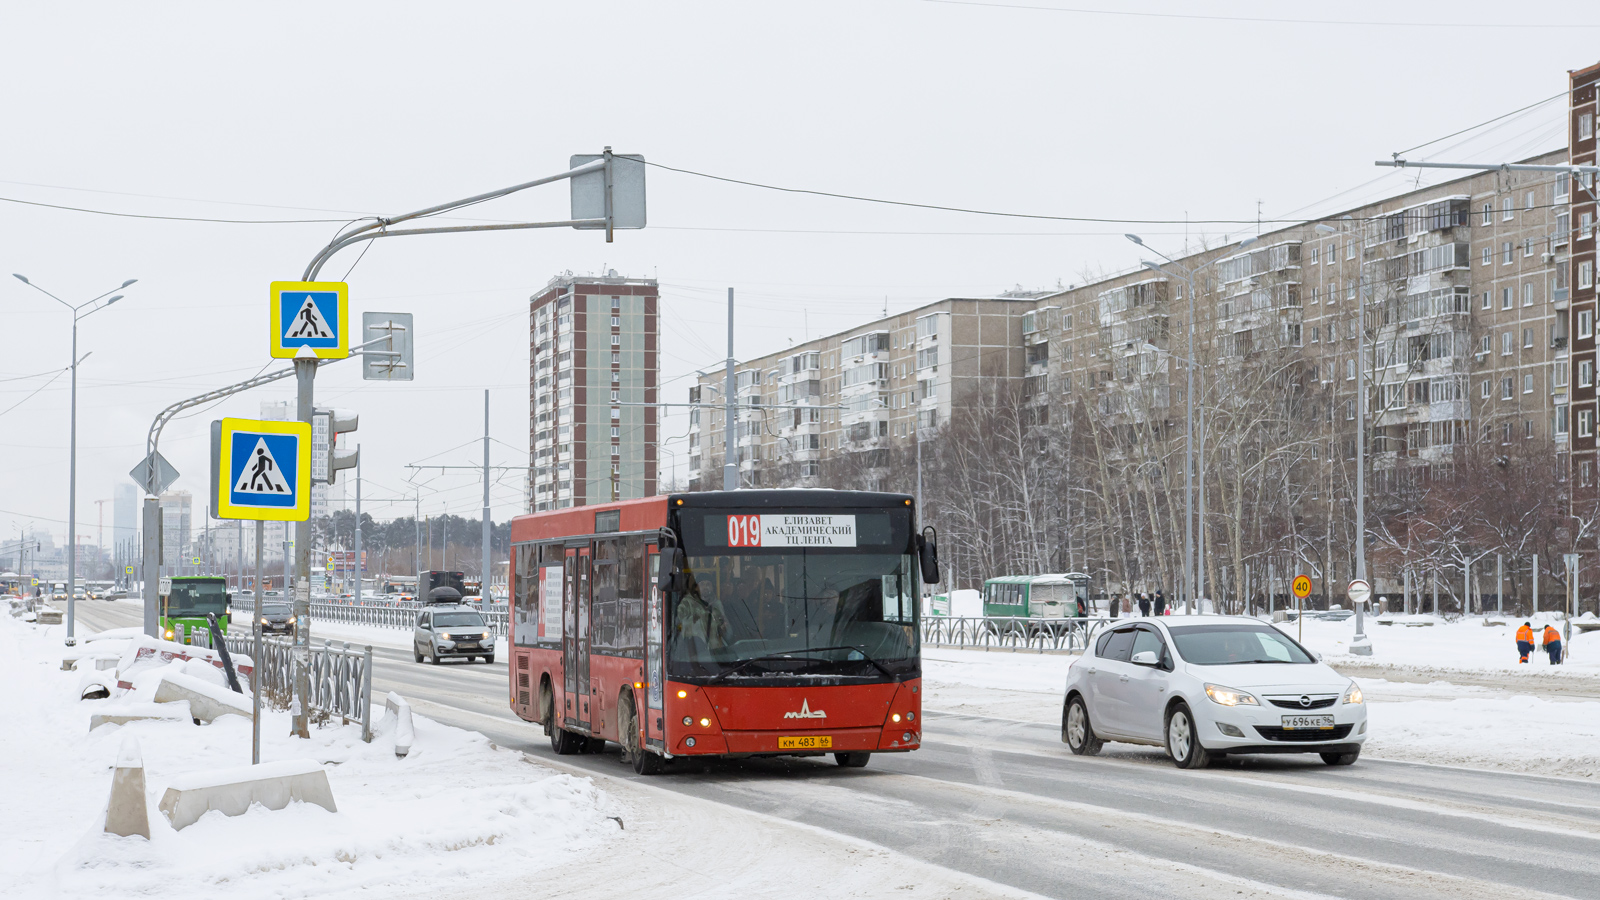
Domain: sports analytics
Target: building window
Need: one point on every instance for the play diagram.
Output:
(1506, 343)
(1505, 208)
(1505, 253)
(1485, 303)
(1558, 375)
(1486, 254)
(1349, 370)
(1527, 338)
(1506, 388)
(1488, 214)
(1527, 294)
(1527, 384)
(1561, 420)
(1585, 429)
(1483, 389)
(1561, 187)
(1527, 247)
(1585, 126)
(1505, 298)
(1585, 226)
(1585, 323)
(1350, 250)
(616, 358)
(1586, 274)
(616, 321)
(1529, 204)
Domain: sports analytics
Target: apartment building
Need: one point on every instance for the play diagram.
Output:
(855, 394)
(593, 378)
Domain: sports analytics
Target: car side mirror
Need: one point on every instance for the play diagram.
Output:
(1145, 658)
(928, 555)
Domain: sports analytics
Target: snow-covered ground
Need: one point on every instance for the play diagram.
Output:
(456, 808)
(1438, 722)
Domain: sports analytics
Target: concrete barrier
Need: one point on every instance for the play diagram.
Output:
(404, 733)
(126, 814)
(232, 791)
(206, 701)
(121, 713)
(48, 616)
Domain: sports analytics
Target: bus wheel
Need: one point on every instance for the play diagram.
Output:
(644, 762)
(852, 760)
(565, 743)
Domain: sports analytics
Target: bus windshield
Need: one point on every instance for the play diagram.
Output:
(796, 614)
(196, 598)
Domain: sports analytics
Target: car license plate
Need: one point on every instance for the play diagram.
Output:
(467, 645)
(812, 742)
(1292, 722)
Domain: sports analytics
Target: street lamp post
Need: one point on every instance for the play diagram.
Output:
(1191, 555)
(94, 306)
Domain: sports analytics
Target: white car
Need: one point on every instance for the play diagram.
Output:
(1204, 687)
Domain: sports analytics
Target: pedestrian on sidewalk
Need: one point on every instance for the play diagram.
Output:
(1552, 644)
(1161, 603)
(1144, 604)
(1114, 605)
(1524, 641)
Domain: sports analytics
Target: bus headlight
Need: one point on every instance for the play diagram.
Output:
(705, 723)
(169, 634)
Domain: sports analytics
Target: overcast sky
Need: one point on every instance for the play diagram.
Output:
(328, 111)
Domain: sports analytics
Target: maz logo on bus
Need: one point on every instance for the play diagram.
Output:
(806, 712)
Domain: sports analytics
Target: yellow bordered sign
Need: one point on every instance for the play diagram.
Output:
(264, 470)
(314, 314)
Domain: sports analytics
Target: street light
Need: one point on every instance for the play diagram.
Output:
(72, 453)
(1361, 408)
(1192, 552)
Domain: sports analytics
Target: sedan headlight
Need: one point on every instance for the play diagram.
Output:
(265, 621)
(1229, 697)
(1352, 694)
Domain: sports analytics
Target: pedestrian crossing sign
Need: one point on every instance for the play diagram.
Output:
(263, 470)
(311, 314)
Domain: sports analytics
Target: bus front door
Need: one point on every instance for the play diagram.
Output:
(575, 642)
(654, 669)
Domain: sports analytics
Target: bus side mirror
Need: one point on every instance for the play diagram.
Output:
(669, 569)
(928, 555)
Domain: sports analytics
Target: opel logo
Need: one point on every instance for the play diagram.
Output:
(1305, 700)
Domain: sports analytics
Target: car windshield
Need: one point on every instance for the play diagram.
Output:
(457, 620)
(196, 598)
(276, 609)
(1236, 645)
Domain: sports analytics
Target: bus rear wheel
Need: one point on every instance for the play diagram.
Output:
(852, 760)
(566, 743)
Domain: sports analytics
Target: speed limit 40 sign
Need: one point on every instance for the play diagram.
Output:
(1302, 586)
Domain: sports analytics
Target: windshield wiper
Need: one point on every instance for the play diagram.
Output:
(791, 655)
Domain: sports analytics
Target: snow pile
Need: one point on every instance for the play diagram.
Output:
(456, 811)
(1482, 728)
(1442, 646)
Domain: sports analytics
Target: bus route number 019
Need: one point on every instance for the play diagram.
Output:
(744, 531)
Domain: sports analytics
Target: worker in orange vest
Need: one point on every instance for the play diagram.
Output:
(1552, 644)
(1524, 641)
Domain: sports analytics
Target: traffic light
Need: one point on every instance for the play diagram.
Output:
(339, 421)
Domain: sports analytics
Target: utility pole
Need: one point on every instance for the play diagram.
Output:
(730, 461)
(305, 373)
(483, 585)
(360, 567)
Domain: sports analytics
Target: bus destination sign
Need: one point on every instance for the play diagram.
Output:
(791, 531)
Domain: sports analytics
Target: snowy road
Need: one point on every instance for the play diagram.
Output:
(1004, 800)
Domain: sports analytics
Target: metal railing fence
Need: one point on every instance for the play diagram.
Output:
(1009, 633)
(385, 615)
(339, 675)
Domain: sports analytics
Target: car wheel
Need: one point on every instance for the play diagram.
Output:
(852, 760)
(489, 659)
(436, 659)
(417, 653)
(1183, 741)
(1340, 759)
(1076, 730)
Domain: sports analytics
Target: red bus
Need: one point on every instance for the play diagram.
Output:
(734, 624)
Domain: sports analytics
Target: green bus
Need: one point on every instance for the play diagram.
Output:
(185, 601)
(1036, 596)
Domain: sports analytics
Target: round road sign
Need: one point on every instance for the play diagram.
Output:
(1360, 591)
(1302, 586)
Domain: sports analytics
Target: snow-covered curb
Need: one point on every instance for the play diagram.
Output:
(455, 810)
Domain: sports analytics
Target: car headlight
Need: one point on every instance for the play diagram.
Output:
(444, 636)
(1352, 694)
(264, 621)
(1229, 697)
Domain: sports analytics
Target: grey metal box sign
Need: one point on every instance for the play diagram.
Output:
(391, 359)
(627, 190)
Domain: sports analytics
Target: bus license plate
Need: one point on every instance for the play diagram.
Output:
(1292, 722)
(812, 742)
